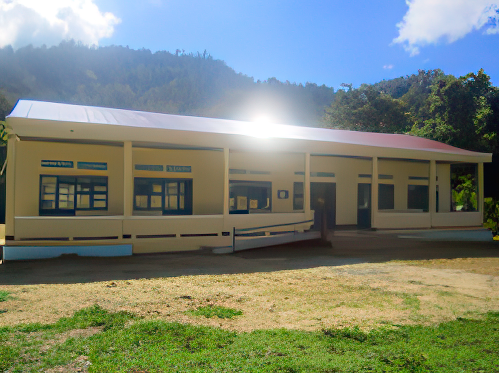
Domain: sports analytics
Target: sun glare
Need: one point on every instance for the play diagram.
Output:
(262, 127)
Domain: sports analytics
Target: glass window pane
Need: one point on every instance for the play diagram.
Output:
(48, 205)
(99, 204)
(156, 188)
(49, 180)
(101, 197)
(182, 187)
(172, 202)
(83, 201)
(156, 202)
(48, 189)
(181, 204)
(141, 202)
(100, 188)
(172, 188)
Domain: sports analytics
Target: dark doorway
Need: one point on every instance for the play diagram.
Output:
(323, 197)
(364, 206)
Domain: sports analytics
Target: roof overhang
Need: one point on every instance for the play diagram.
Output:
(44, 120)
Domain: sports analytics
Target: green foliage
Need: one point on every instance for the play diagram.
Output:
(366, 109)
(4, 295)
(464, 193)
(216, 311)
(460, 112)
(461, 345)
(491, 214)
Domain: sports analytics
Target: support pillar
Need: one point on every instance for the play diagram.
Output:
(127, 179)
(432, 190)
(480, 191)
(374, 192)
(306, 188)
(10, 211)
(226, 205)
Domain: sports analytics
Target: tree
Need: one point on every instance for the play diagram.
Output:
(460, 111)
(366, 109)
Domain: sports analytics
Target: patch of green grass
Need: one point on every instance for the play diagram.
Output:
(127, 344)
(215, 311)
(4, 295)
(411, 301)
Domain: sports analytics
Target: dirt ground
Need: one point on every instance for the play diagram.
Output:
(365, 279)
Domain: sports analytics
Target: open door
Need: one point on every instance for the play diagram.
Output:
(323, 202)
(364, 206)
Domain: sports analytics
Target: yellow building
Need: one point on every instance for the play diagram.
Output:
(101, 181)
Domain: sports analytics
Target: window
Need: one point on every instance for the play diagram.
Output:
(250, 196)
(298, 196)
(63, 195)
(167, 196)
(385, 197)
(417, 197)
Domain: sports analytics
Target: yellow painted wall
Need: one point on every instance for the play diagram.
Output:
(29, 155)
(346, 172)
(401, 170)
(207, 174)
(282, 168)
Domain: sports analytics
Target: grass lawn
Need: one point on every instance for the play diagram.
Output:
(96, 340)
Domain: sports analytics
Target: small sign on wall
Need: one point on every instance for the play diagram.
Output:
(92, 165)
(170, 168)
(149, 167)
(283, 194)
(62, 164)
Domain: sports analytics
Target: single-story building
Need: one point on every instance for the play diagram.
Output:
(94, 178)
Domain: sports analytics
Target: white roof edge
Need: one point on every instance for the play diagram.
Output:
(106, 120)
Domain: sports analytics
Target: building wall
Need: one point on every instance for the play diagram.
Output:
(401, 171)
(279, 169)
(346, 176)
(207, 174)
(29, 156)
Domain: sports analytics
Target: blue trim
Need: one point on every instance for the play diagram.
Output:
(92, 166)
(149, 167)
(44, 252)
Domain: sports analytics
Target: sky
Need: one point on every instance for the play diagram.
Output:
(323, 42)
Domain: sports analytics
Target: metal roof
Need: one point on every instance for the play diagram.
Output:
(65, 121)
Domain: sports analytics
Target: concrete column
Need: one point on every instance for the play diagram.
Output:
(374, 192)
(480, 189)
(10, 211)
(432, 190)
(127, 179)
(226, 206)
(306, 188)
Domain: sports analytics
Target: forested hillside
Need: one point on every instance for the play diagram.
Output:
(463, 111)
(460, 111)
(180, 83)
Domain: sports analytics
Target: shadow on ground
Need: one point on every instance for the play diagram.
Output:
(347, 248)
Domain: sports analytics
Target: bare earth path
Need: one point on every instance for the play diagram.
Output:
(366, 279)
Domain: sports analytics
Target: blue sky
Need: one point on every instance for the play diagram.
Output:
(324, 42)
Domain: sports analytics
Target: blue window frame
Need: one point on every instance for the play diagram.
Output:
(168, 196)
(64, 195)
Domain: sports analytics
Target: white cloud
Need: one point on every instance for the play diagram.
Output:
(388, 67)
(429, 21)
(48, 22)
